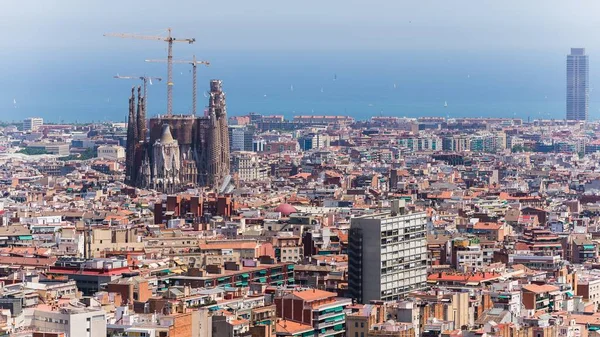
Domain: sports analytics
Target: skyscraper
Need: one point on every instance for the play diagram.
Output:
(387, 254)
(577, 85)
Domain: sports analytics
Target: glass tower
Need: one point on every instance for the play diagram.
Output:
(577, 85)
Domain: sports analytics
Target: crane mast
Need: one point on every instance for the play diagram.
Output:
(194, 64)
(169, 39)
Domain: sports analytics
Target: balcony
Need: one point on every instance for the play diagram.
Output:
(335, 319)
(337, 330)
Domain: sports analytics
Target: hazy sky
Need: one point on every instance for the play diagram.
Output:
(55, 61)
(71, 25)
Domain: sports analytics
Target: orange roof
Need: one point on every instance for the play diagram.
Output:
(546, 288)
(584, 319)
(238, 322)
(313, 294)
(292, 328)
(333, 174)
(443, 195)
(522, 246)
(487, 225)
(302, 175)
(463, 278)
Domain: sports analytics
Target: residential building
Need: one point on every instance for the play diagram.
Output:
(248, 166)
(32, 123)
(584, 250)
(360, 322)
(387, 254)
(392, 329)
(73, 322)
(318, 308)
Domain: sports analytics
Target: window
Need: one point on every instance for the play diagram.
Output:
(356, 324)
(362, 325)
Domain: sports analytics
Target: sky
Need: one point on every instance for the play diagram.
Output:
(63, 25)
(54, 48)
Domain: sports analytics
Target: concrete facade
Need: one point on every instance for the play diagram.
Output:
(387, 255)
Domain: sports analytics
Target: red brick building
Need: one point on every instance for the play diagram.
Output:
(192, 208)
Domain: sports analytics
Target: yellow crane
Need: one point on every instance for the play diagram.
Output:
(194, 64)
(169, 39)
(145, 80)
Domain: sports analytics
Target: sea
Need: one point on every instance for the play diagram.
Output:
(79, 87)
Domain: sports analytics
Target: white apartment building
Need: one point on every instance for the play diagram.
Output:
(387, 254)
(470, 258)
(74, 322)
(32, 123)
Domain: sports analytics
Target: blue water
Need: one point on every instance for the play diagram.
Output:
(80, 87)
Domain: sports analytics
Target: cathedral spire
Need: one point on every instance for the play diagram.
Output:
(131, 141)
(141, 116)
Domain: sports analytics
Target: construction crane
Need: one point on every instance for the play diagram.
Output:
(169, 39)
(194, 64)
(144, 79)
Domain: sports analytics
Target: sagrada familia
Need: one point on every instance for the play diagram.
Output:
(175, 152)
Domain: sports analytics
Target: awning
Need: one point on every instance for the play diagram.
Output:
(472, 283)
(262, 279)
(177, 271)
(221, 279)
(245, 275)
(25, 237)
(588, 246)
(3, 237)
(290, 267)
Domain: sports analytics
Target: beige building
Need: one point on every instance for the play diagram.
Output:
(248, 166)
(359, 323)
(170, 242)
(290, 248)
(113, 239)
(111, 152)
